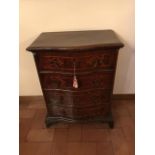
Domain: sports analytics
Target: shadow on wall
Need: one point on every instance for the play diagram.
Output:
(124, 81)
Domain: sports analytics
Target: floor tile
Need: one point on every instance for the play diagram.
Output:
(120, 111)
(129, 133)
(26, 113)
(74, 149)
(59, 148)
(131, 146)
(35, 149)
(88, 148)
(119, 143)
(40, 135)
(74, 134)
(131, 109)
(60, 135)
(95, 125)
(39, 119)
(95, 135)
(83, 148)
(126, 121)
(104, 148)
(76, 138)
(23, 105)
(24, 127)
(37, 105)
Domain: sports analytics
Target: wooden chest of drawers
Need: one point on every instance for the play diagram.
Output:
(87, 59)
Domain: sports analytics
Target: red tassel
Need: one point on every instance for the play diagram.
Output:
(75, 83)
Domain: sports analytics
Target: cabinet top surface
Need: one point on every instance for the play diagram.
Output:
(72, 40)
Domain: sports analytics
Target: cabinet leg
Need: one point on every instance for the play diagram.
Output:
(111, 124)
(110, 121)
(50, 121)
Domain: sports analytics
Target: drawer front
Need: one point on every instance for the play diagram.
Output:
(81, 99)
(85, 81)
(79, 113)
(86, 62)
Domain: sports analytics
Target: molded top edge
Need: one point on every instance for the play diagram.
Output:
(75, 40)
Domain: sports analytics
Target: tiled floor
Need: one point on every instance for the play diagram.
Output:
(76, 139)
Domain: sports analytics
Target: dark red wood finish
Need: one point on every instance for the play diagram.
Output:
(78, 99)
(92, 57)
(85, 81)
(85, 61)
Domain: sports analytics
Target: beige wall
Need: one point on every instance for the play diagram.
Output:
(38, 16)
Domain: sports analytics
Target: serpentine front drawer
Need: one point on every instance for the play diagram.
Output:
(76, 70)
